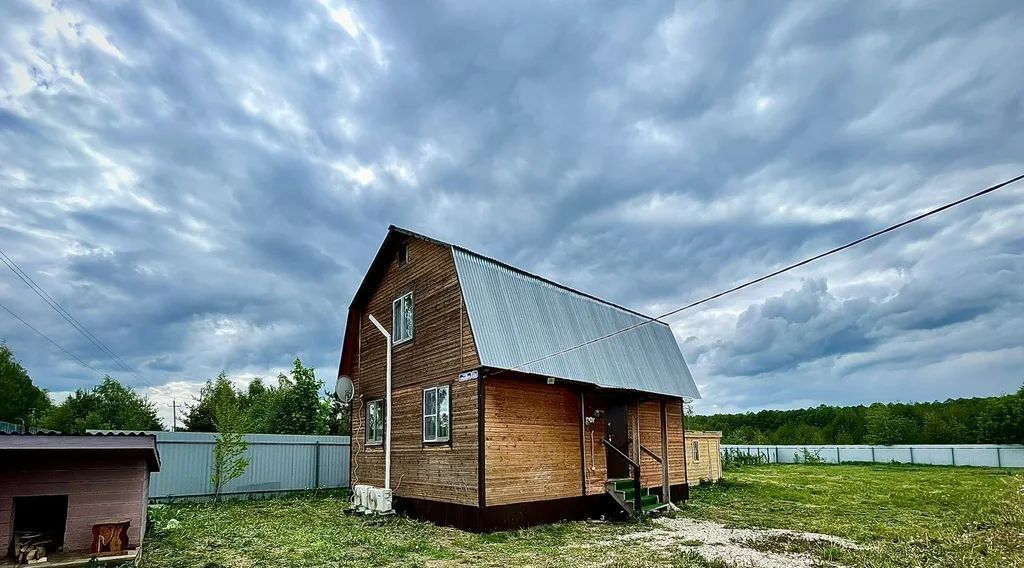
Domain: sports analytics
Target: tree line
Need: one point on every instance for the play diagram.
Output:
(296, 405)
(994, 420)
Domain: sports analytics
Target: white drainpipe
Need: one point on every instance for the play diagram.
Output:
(387, 408)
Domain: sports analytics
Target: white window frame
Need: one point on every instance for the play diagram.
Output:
(696, 451)
(395, 311)
(370, 439)
(432, 437)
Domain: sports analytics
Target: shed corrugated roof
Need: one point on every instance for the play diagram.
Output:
(517, 318)
(99, 442)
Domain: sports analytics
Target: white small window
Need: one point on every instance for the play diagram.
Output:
(375, 422)
(696, 451)
(436, 414)
(401, 319)
(403, 255)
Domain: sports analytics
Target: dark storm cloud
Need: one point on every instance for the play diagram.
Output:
(203, 184)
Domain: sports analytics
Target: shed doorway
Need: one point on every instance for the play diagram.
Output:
(39, 525)
(617, 433)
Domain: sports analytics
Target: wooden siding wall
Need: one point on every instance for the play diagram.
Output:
(98, 487)
(650, 437)
(596, 455)
(441, 348)
(532, 440)
(676, 469)
(709, 467)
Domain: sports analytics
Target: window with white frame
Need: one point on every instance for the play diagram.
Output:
(436, 414)
(375, 422)
(696, 451)
(401, 319)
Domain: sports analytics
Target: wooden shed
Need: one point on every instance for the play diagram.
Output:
(705, 456)
(68, 496)
(515, 400)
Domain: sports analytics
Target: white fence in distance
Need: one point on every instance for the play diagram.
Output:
(277, 463)
(980, 455)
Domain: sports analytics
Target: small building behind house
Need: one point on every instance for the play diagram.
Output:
(68, 497)
(704, 462)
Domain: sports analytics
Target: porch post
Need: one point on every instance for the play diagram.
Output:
(636, 422)
(686, 466)
(666, 490)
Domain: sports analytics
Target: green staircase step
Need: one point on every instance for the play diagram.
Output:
(622, 484)
(652, 507)
(649, 502)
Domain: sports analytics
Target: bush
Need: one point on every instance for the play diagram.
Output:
(733, 459)
(807, 456)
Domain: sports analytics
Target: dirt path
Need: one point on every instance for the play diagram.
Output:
(755, 548)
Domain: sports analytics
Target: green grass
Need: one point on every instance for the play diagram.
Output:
(903, 515)
(906, 515)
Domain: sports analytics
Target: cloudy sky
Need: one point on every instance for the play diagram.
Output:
(202, 184)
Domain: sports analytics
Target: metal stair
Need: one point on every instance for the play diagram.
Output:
(623, 492)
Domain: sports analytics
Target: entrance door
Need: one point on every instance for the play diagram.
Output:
(616, 430)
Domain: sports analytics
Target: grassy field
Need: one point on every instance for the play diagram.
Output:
(898, 515)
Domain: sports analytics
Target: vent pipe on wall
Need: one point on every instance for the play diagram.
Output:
(387, 407)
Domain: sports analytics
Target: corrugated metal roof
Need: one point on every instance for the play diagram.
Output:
(107, 442)
(517, 317)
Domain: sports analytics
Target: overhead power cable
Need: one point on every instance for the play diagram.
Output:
(67, 316)
(46, 337)
(793, 266)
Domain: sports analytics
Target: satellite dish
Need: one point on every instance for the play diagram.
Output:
(344, 390)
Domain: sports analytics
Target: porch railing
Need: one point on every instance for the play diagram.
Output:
(648, 451)
(635, 467)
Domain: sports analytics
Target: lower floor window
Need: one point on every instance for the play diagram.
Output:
(696, 451)
(436, 414)
(375, 422)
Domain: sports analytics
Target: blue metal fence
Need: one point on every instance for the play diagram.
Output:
(988, 455)
(276, 463)
(9, 427)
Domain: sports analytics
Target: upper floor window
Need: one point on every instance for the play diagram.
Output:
(436, 414)
(403, 254)
(375, 422)
(401, 319)
(696, 451)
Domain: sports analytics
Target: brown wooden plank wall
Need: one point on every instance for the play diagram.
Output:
(596, 455)
(676, 469)
(441, 348)
(650, 437)
(532, 432)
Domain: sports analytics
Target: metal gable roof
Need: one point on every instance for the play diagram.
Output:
(517, 317)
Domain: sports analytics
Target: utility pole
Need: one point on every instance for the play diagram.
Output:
(174, 415)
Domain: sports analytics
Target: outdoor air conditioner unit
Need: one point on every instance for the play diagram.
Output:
(361, 494)
(379, 500)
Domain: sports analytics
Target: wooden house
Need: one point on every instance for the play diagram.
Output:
(515, 400)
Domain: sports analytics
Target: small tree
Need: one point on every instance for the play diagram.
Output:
(229, 459)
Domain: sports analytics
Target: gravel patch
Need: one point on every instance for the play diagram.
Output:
(737, 547)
